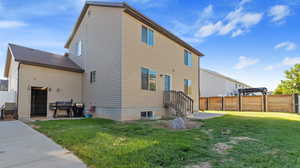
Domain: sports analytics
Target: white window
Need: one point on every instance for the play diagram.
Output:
(79, 48)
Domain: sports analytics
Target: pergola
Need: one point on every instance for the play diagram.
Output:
(247, 91)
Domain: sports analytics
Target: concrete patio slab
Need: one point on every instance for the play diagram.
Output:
(204, 116)
(23, 147)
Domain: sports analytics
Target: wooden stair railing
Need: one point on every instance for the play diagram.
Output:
(179, 101)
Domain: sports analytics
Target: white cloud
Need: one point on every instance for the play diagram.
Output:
(184, 30)
(287, 45)
(5, 24)
(291, 61)
(245, 62)
(208, 11)
(279, 13)
(287, 61)
(192, 40)
(209, 29)
(243, 2)
(235, 23)
(237, 32)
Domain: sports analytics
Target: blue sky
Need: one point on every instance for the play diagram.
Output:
(253, 41)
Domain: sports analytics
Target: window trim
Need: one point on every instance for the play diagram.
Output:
(147, 114)
(148, 79)
(142, 82)
(188, 58)
(146, 38)
(92, 77)
(150, 34)
(189, 91)
(171, 83)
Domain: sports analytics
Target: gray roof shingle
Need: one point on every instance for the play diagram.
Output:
(41, 58)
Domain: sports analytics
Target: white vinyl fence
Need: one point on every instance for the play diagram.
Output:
(7, 97)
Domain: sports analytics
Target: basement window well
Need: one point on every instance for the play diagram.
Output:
(147, 115)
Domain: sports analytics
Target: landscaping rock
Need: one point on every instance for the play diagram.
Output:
(178, 123)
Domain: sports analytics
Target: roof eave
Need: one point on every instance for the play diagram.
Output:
(9, 54)
(50, 66)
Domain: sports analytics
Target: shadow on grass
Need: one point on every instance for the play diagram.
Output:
(105, 143)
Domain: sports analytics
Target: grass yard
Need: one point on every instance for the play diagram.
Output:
(239, 139)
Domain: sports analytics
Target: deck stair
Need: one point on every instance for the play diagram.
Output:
(177, 102)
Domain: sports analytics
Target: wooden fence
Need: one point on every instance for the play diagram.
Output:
(264, 103)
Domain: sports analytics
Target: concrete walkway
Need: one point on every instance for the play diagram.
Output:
(204, 116)
(23, 147)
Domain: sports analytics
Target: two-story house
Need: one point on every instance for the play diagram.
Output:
(119, 61)
(215, 84)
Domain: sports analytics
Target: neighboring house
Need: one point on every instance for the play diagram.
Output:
(216, 84)
(119, 62)
(3, 85)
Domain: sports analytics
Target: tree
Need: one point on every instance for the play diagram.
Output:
(292, 84)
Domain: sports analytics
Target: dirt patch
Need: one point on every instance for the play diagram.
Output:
(222, 148)
(167, 124)
(201, 165)
(35, 126)
(273, 152)
(227, 160)
(237, 140)
(226, 131)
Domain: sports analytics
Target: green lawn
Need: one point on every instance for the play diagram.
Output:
(260, 140)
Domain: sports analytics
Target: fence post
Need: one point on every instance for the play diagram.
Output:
(207, 103)
(297, 103)
(266, 103)
(222, 103)
(240, 103)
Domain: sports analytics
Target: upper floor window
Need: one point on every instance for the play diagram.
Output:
(188, 87)
(187, 58)
(93, 77)
(147, 36)
(79, 48)
(148, 79)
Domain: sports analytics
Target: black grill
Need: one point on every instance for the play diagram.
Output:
(68, 107)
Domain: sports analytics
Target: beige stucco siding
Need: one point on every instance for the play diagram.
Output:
(62, 86)
(165, 57)
(13, 74)
(100, 32)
